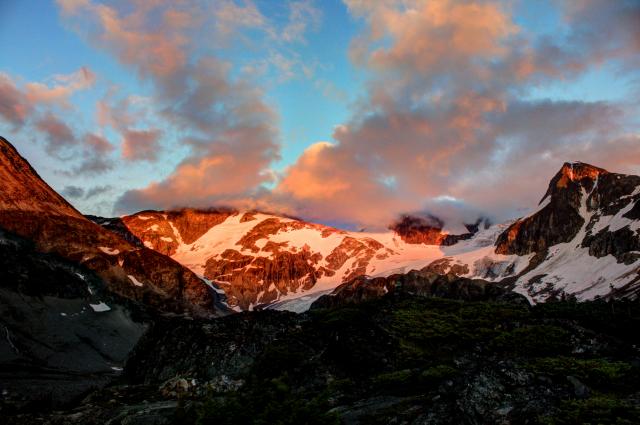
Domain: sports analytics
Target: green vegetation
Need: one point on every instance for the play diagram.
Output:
(422, 353)
(271, 402)
(598, 373)
(594, 410)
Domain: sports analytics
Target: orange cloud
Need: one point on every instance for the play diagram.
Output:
(65, 85)
(58, 134)
(141, 144)
(15, 108)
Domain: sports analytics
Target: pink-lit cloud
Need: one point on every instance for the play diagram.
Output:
(64, 86)
(229, 130)
(446, 116)
(57, 133)
(442, 119)
(14, 106)
(141, 145)
(38, 105)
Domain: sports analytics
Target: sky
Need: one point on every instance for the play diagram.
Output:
(342, 112)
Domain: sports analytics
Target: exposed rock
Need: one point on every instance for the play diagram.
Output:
(580, 389)
(428, 230)
(560, 219)
(618, 243)
(177, 387)
(423, 283)
(249, 276)
(61, 332)
(30, 209)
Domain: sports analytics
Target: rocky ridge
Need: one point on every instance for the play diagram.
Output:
(29, 208)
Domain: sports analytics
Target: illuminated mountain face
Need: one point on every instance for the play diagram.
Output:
(32, 210)
(582, 241)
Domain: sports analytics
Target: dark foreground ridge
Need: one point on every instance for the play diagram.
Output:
(395, 359)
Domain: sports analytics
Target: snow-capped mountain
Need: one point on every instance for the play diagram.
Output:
(583, 241)
(584, 238)
(32, 210)
(260, 259)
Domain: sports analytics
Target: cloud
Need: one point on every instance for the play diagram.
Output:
(231, 17)
(94, 155)
(78, 193)
(65, 85)
(97, 191)
(97, 144)
(444, 116)
(19, 104)
(57, 134)
(222, 173)
(229, 130)
(90, 165)
(37, 105)
(14, 106)
(73, 192)
(141, 145)
(303, 15)
(447, 114)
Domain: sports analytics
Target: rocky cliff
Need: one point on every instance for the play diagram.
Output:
(29, 208)
(584, 237)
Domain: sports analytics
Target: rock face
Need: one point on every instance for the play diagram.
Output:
(63, 333)
(32, 210)
(428, 230)
(424, 283)
(559, 220)
(585, 236)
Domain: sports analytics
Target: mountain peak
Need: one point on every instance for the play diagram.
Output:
(577, 171)
(23, 189)
(571, 178)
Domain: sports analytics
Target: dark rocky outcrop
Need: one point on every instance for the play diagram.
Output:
(117, 226)
(559, 220)
(53, 346)
(618, 243)
(400, 359)
(424, 283)
(428, 230)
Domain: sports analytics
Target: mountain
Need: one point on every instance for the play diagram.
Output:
(116, 320)
(75, 298)
(32, 210)
(63, 332)
(582, 241)
(262, 259)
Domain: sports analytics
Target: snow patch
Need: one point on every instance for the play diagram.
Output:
(134, 280)
(109, 251)
(99, 308)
